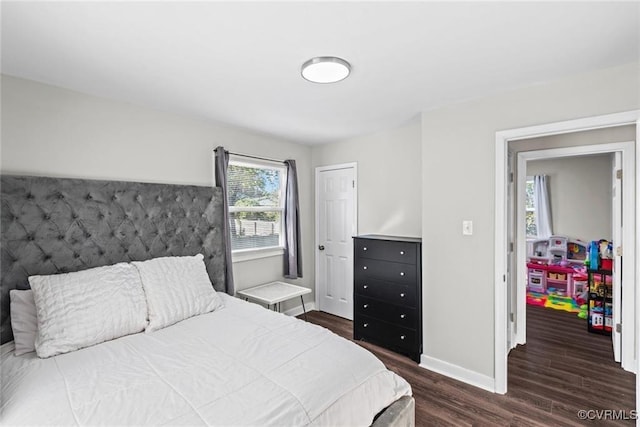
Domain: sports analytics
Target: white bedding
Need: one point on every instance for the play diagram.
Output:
(239, 365)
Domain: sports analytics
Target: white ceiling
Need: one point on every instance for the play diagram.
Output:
(239, 62)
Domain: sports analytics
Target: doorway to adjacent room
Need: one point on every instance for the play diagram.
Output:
(620, 213)
(504, 276)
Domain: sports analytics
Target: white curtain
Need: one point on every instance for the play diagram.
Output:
(542, 205)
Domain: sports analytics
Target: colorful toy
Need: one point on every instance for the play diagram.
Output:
(594, 255)
(580, 289)
(560, 250)
(596, 320)
(536, 298)
(562, 303)
(557, 274)
(583, 311)
(606, 254)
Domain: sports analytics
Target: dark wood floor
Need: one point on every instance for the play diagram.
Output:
(561, 370)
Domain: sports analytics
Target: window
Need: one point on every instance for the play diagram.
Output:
(532, 229)
(256, 192)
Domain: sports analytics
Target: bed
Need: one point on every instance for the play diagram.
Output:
(237, 364)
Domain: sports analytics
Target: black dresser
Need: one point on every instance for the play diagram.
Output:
(388, 292)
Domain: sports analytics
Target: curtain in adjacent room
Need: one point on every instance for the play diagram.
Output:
(222, 164)
(292, 256)
(542, 206)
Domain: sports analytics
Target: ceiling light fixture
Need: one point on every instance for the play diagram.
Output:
(325, 69)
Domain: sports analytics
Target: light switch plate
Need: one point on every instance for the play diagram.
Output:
(467, 227)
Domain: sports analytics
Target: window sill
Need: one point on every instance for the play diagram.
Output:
(252, 254)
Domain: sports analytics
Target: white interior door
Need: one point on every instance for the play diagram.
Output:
(617, 241)
(336, 226)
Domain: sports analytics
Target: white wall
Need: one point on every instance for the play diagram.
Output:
(580, 194)
(458, 167)
(49, 131)
(389, 177)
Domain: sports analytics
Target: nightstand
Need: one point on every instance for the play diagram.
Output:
(274, 293)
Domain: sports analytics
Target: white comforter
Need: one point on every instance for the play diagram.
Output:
(240, 365)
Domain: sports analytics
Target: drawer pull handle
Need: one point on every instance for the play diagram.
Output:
(364, 249)
(364, 268)
(402, 337)
(402, 316)
(401, 252)
(365, 286)
(365, 325)
(402, 273)
(402, 295)
(365, 306)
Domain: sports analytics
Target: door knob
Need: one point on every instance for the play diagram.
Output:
(321, 247)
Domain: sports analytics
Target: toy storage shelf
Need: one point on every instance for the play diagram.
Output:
(600, 304)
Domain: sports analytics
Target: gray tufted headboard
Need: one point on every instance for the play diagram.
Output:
(57, 225)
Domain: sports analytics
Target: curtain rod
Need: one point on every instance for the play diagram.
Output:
(257, 157)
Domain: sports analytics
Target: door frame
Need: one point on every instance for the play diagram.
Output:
(500, 224)
(512, 265)
(627, 240)
(319, 169)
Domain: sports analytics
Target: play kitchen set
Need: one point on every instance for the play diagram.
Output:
(571, 275)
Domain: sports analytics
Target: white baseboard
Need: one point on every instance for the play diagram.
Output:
(458, 373)
(297, 310)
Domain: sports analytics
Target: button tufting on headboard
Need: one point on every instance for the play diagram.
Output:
(55, 225)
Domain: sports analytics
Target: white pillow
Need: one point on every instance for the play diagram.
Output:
(176, 288)
(84, 308)
(23, 320)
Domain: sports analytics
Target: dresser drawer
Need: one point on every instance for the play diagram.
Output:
(393, 293)
(388, 271)
(395, 314)
(378, 331)
(386, 250)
